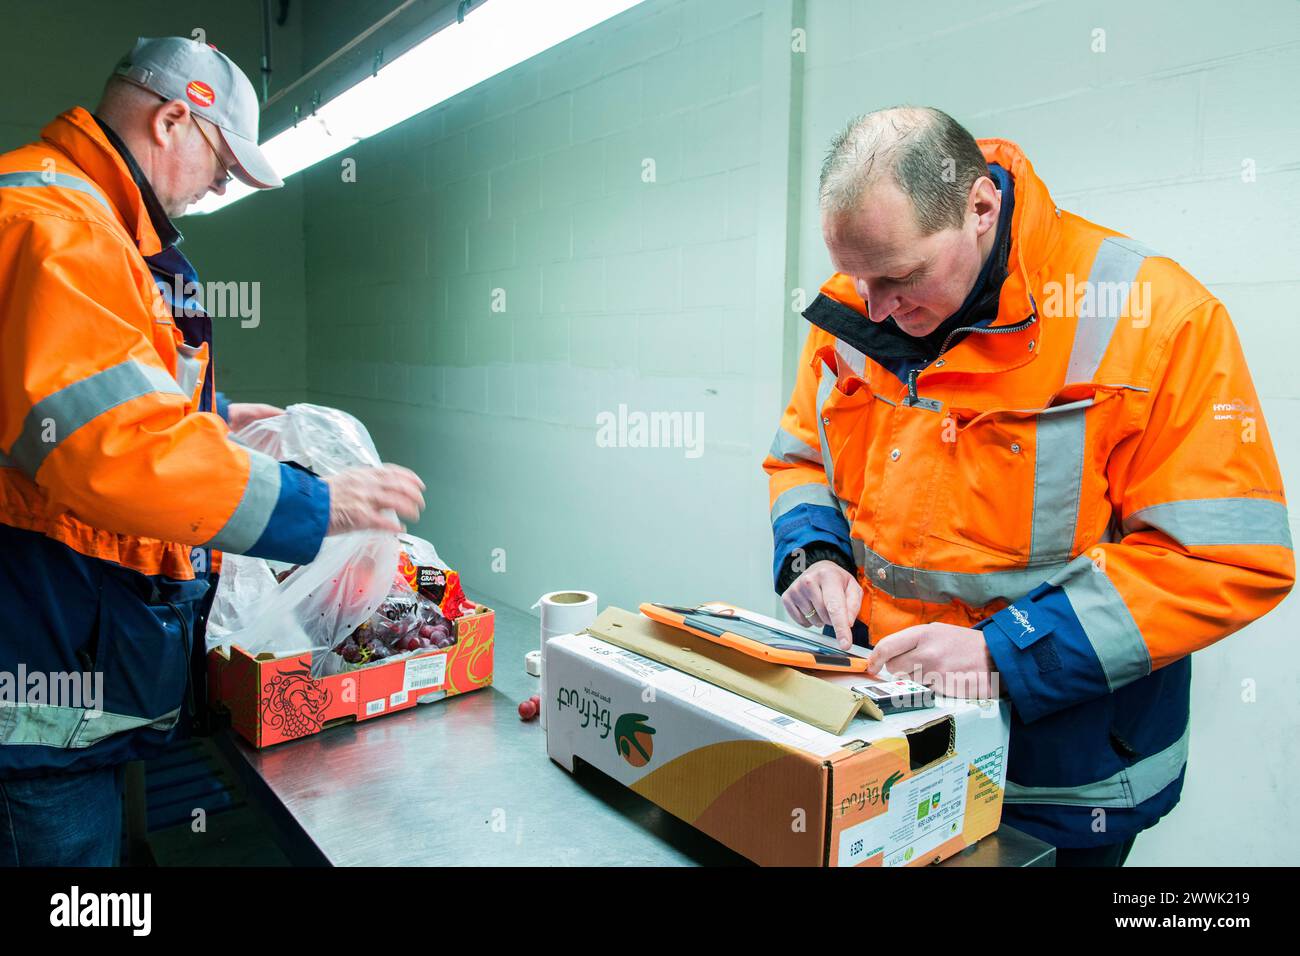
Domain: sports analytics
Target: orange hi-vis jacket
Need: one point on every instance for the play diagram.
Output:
(110, 474)
(1088, 479)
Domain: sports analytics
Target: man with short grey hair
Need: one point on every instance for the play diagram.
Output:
(1002, 470)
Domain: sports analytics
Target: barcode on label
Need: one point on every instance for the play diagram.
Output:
(396, 698)
(643, 661)
(375, 707)
(422, 672)
(782, 721)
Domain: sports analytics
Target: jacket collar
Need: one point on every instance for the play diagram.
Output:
(168, 234)
(77, 135)
(1035, 231)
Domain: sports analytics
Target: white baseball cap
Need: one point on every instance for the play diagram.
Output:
(199, 74)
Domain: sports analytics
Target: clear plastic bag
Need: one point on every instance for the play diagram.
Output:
(244, 582)
(325, 440)
(321, 603)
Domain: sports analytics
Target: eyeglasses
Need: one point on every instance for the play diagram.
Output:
(226, 177)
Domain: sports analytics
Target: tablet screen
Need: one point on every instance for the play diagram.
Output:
(780, 640)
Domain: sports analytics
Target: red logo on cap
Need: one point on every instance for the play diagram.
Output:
(200, 93)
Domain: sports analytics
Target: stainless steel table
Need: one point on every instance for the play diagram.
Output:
(465, 782)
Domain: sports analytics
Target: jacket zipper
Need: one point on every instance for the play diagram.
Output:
(913, 397)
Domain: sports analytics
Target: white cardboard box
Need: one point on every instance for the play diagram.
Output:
(912, 789)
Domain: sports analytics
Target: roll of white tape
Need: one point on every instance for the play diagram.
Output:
(565, 612)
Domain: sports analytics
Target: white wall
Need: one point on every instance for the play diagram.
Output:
(618, 291)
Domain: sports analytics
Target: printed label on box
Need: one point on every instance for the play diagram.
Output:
(990, 764)
(396, 698)
(783, 721)
(375, 707)
(425, 672)
(923, 812)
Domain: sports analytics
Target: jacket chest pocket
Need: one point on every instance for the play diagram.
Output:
(1021, 480)
(844, 410)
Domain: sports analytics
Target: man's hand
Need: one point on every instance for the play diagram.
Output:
(245, 413)
(364, 499)
(825, 594)
(954, 660)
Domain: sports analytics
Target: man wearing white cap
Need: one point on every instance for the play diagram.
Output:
(210, 86)
(119, 487)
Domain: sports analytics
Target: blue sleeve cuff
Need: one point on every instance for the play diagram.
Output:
(223, 406)
(804, 524)
(301, 517)
(1043, 654)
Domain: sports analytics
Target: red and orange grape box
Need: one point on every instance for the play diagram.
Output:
(426, 642)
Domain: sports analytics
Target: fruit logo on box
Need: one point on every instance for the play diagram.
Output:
(634, 739)
(589, 705)
(294, 703)
(870, 793)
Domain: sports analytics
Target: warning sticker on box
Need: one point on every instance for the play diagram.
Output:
(923, 812)
(425, 672)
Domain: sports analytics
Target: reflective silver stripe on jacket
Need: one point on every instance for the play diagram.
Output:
(69, 728)
(188, 368)
(1208, 521)
(793, 450)
(30, 180)
(1106, 620)
(1128, 788)
(823, 393)
(254, 511)
(824, 387)
(1060, 447)
(51, 420)
(809, 494)
(1061, 432)
(1111, 278)
(853, 356)
(942, 587)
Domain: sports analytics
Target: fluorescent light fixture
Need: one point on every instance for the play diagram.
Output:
(492, 38)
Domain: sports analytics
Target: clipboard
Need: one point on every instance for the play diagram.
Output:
(735, 628)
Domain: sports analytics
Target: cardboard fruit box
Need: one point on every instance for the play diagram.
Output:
(908, 790)
(272, 699)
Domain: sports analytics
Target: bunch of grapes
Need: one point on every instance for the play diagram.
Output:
(363, 646)
(404, 622)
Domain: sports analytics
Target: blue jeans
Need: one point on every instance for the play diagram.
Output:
(69, 819)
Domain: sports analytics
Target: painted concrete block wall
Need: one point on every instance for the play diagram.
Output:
(59, 55)
(574, 236)
(1181, 133)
